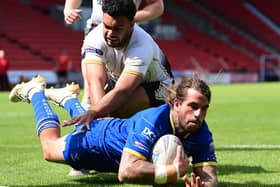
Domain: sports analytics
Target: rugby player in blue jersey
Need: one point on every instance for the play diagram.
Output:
(124, 146)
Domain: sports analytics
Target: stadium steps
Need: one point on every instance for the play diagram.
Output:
(270, 8)
(237, 13)
(222, 29)
(21, 59)
(225, 57)
(38, 33)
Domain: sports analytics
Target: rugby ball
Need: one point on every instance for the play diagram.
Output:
(164, 151)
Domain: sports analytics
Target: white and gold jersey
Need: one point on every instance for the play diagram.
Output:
(142, 56)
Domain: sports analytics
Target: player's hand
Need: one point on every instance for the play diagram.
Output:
(181, 160)
(195, 181)
(83, 118)
(70, 16)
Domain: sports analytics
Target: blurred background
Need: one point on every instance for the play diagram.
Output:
(224, 41)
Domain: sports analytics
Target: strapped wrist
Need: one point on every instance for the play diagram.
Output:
(160, 174)
(166, 173)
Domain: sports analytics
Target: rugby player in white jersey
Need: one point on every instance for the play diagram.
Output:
(123, 58)
(72, 12)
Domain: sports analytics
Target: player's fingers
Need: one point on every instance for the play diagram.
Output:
(193, 180)
(187, 181)
(66, 123)
(68, 21)
(72, 15)
(76, 13)
(88, 120)
(197, 181)
(88, 125)
(202, 184)
(73, 121)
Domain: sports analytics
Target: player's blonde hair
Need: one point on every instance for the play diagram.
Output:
(179, 90)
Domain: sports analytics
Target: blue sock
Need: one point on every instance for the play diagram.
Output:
(74, 108)
(44, 115)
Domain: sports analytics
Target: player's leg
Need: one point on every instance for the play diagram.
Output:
(67, 97)
(85, 102)
(47, 122)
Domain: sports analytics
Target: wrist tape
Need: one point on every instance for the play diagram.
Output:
(166, 173)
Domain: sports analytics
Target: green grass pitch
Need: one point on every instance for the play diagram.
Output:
(244, 119)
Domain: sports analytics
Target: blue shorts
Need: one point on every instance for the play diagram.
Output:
(79, 155)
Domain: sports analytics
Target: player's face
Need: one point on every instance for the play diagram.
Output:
(191, 112)
(117, 31)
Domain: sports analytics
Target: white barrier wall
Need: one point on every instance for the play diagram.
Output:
(213, 78)
(51, 78)
(223, 78)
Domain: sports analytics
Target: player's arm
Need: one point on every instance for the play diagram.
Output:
(207, 174)
(135, 170)
(152, 10)
(111, 101)
(96, 76)
(118, 96)
(71, 11)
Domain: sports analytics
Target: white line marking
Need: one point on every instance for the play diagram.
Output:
(257, 146)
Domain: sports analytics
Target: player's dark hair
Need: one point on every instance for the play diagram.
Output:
(116, 8)
(180, 90)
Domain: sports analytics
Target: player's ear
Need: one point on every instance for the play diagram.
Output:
(176, 104)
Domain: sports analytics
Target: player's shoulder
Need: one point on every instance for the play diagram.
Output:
(154, 115)
(156, 111)
(95, 33)
(204, 130)
(95, 38)
(141, 34)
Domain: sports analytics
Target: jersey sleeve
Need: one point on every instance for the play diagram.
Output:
(206, 156)
(141, 141)
(201, 148)
(147, 129)
(94, 47)
(139, 58)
